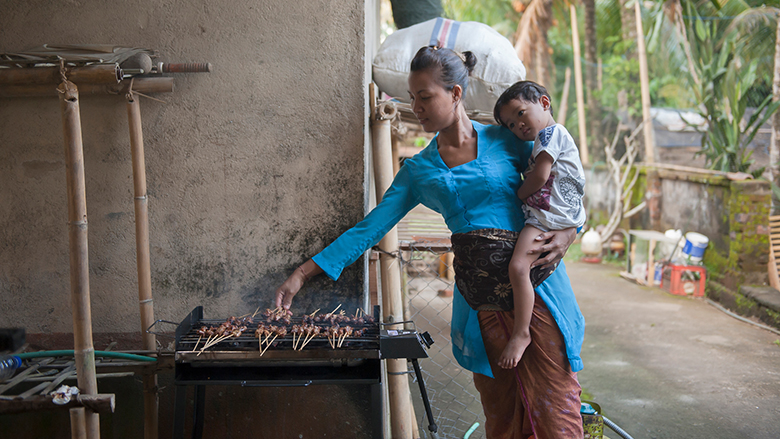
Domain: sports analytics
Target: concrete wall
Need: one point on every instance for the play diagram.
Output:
(251, 169)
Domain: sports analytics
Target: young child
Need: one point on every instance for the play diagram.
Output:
(551, 192)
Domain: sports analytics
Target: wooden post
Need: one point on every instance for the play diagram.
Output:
(84, 350)
(392, 306)
(645, 87)
(151, 399)
(575, 36)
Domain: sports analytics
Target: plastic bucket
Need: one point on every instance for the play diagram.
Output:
(695, 244)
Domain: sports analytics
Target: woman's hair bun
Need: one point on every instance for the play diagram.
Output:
(470, 60)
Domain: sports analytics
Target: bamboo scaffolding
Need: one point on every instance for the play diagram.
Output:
(140, 85)
(96, 74)
(392, 304)
(84, 350)
(575, 35)
(145, 301)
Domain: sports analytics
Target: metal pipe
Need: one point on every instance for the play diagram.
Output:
(616, 428)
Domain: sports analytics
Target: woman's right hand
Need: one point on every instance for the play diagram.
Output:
(288, 290)
(293, 284)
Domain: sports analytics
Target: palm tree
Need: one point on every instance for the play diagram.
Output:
(531, 42)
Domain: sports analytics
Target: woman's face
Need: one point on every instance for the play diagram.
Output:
(433, 104)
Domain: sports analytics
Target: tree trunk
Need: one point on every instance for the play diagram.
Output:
(591, 84)
(774, 148)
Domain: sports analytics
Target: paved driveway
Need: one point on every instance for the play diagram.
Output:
(663, 366)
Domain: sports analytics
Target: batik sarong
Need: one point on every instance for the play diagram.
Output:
(481, 267)
(541, 396)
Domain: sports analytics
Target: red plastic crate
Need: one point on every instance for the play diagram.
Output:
(673, 282)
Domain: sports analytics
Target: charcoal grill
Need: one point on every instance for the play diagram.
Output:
(239, 361)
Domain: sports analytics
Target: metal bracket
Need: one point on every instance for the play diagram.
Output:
(149, 329)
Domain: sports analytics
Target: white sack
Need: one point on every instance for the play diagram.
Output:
(497, 66)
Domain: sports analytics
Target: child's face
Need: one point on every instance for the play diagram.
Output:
(525, 119)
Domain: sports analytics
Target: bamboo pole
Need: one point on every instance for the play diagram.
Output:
(564, 106)
(103, 403)
(774, 146)
(140, 85)
(84, 350)
(392, 304)
(96, 74)
(575, 36)
(77, 423)
(151, 399)
(645, 87)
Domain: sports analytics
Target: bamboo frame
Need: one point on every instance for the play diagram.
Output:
(95, 74)
(575, 35)
(146, 304)
(392, 303)
(140, 85)
(103, 403)
(84, 350)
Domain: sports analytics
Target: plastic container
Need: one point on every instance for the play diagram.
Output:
(695, 244)
(684, 280)
(8, 366)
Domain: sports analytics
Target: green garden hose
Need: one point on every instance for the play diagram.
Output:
(69, 353)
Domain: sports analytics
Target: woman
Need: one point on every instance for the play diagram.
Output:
(470, 173)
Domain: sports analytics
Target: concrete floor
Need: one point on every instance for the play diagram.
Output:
(664, 366)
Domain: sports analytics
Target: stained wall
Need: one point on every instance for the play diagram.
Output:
(251, 169)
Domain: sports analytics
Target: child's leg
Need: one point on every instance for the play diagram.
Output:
(523, 295)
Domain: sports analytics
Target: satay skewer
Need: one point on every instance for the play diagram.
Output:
(196, 343)
(268, 345)
(331, 313)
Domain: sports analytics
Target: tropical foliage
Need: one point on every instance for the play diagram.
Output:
(714, 56)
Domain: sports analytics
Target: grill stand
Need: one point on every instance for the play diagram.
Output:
(180, 406)
(393, 344)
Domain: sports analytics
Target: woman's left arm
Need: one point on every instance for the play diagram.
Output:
(554, 245)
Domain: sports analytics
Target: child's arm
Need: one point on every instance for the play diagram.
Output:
(537, 177)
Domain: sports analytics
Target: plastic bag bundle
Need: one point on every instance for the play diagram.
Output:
(497, 66)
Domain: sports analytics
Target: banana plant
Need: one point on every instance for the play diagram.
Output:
(724, 78)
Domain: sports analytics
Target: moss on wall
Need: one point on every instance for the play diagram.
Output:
(747, 215)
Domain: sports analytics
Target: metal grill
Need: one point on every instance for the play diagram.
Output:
(428, 287)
